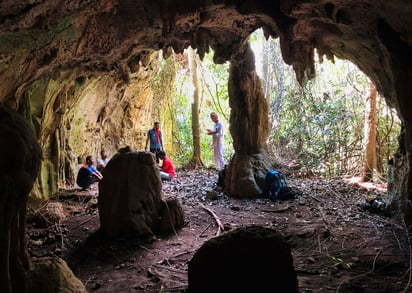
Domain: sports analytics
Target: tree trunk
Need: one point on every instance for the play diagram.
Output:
(196, 160)
(371, 131)
(249, 128)
(266, 69)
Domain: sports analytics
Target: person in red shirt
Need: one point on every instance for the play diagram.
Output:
(167, 170)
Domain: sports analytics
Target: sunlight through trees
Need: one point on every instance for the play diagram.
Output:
(320, 127)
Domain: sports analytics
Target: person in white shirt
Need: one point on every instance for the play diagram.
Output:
(102, 161)
(217, 133)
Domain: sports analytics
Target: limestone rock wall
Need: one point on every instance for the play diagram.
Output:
(76, 114)
(41, 40)
(80, 116)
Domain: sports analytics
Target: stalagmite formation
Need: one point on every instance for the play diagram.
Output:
(249, 128)
(80, 72)
(130, 198)
(20, 157)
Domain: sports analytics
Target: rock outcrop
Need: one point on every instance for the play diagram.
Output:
(248, 259)
(51, 275)
(249, 127)
(130, 198)
(20, 157)
(56, 56)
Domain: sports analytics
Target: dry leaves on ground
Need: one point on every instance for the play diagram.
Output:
(337, 245)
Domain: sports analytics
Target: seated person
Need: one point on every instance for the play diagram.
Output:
(88, 174)
(167, 171)
(102, 161)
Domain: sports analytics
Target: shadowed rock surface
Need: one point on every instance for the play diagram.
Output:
(51, 275)
(81, 74)
(250, 259)
(130, 198)
(20, 157)
(249, 127)
(82, 71)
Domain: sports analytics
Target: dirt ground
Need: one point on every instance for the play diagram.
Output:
(338, 243)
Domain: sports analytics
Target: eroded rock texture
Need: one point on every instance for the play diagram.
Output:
(249, 259)
(249, 127)
(55, 55)
(20, 157)
(130, 198)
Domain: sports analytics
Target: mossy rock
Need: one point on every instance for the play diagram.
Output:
(52, 275)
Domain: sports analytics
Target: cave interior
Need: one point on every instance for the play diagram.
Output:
(80, 70)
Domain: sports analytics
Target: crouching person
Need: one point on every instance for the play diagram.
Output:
(88, 174)
(167, 170)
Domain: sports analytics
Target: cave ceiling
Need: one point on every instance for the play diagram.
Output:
(40, 38)
(107, 45)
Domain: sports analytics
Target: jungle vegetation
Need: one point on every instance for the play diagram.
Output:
(334, 125)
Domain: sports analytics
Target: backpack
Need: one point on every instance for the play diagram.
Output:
(274, 182)
(277, 186)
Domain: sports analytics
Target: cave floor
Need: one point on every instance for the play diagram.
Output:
(337, 245)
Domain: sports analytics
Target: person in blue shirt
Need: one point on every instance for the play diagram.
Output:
(88, 174)
(154, 135)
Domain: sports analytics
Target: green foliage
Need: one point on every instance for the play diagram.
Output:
(387, 141)
(321, 126)
(215, 98)
(182, 136)
(341, 262)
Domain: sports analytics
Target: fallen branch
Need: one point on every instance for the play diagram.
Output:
(220, 226)
(361, 275)
(201, 234)
(145, 248)
(174, 256)
(152, 272)
(181, 254)
(318, 200)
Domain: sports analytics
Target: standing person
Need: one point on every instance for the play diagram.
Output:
(102, 161)
(154, 135)
(88, 174)
(217, 133)
(167, 170)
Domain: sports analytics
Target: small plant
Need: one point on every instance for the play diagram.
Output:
(341, 262)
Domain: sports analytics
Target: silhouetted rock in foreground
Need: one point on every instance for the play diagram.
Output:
(251, 259)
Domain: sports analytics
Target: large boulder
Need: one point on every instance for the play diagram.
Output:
(250, 259)
(130, 198)
(51, 275)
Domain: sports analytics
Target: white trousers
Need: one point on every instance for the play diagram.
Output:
(218, 153)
